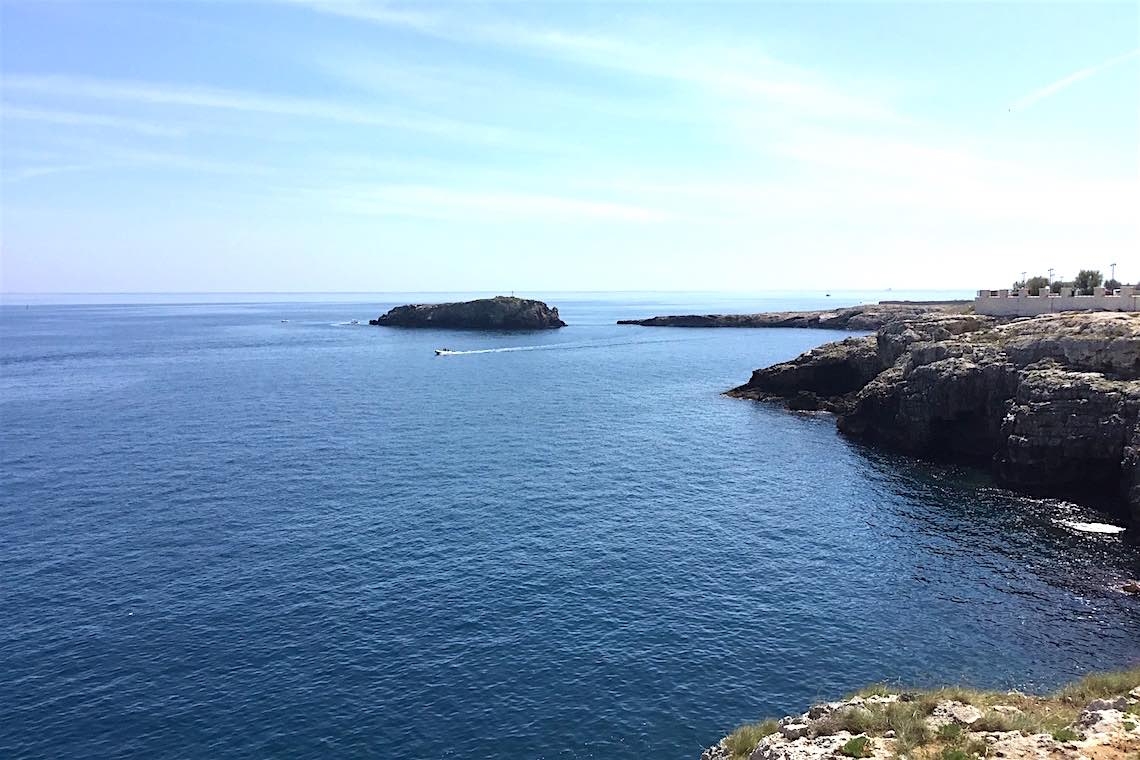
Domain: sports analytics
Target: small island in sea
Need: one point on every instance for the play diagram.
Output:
(498, 313)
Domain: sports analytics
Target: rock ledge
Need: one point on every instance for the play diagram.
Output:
(863, 317)
(934, 725)
(1050, 404)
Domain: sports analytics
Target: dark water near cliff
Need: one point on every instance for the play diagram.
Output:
(224, 535)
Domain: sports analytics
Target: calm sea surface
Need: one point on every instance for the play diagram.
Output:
(227, 535)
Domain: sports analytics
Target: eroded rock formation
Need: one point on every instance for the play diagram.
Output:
(1051, 403)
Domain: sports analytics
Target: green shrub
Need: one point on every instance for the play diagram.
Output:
(743, 740)
(1066, 735)
(956, 753)
(994, 721)
(951, 732)
(860, 746)
(853, 720)
(1101, 685)
(908, 721)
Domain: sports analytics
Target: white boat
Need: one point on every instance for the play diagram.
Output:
(443, 351)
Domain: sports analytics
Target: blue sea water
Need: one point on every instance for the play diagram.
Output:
(227, 535)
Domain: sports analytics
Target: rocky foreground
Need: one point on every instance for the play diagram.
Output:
(856, 318)
(1050, 404)
(498, 313)
(1095, 719)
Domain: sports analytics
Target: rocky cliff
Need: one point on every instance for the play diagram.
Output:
(1051, 404)
(863, 317)
(499, 313)
(1097, 718)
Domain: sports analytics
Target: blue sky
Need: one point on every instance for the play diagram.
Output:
(309, 146)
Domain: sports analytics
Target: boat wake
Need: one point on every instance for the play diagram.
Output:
(558, 346)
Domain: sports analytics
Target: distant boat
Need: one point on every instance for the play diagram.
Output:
(355, 322)
(443, 351)
(284, 320)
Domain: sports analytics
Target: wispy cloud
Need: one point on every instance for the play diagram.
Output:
(169, 94)
(86, 155)
(1068, 81)
(449, 203)
(736, 72)
(31, 172)
(72, 118)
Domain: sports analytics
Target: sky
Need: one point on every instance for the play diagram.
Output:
(300, 145)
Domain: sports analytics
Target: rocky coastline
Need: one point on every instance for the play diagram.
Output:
(1050, 404)
(1097, 718)
(855, 318)
(498, 313)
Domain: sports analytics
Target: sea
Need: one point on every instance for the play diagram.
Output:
(253, 526)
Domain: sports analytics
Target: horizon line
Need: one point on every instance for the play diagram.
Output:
(375, 292)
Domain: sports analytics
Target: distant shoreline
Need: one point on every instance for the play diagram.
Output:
(864, 317)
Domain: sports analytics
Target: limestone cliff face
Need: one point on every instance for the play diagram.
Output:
(1066, 430)
(1051, 403)
(499, 313)
(823, 378)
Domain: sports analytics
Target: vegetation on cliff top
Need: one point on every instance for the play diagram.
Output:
(1083, 283)
(907, 718)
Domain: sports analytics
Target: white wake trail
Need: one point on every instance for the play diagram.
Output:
(560, 346)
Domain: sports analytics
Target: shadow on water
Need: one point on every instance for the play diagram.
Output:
(961, 509)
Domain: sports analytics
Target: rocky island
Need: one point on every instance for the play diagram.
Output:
(854, 318)
(1050, 404)
(1097, 718)
(498, 313)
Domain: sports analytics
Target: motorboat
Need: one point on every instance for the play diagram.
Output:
(443, 351)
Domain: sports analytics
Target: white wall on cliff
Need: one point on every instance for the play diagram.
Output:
(1018, 303)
